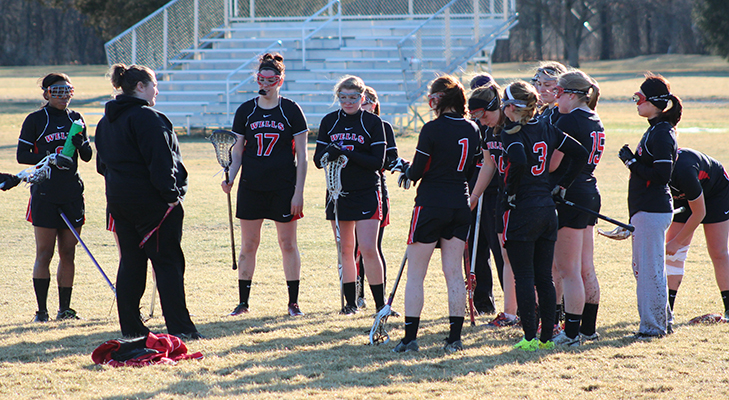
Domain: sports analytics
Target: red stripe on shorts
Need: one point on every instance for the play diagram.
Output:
(414, 223)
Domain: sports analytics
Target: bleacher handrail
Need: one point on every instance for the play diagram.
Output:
(305, 37)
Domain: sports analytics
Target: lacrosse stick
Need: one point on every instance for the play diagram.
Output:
(621, 233)
(378, 333)
(629, 227)
(471, 278)
(36, 173)
(223, 141)
(75, 233)
(333, 171)
(154, 294)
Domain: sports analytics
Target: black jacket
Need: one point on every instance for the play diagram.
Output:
(138, 154)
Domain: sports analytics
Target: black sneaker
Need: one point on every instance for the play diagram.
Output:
(241, 308)
(294, 310)
(66, 314)
(189, 336)
(405, 348)
(41, 316)
(349, 310)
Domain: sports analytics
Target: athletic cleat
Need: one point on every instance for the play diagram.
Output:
(190, 336)
(563, 340)
(643, 336)
(41, 316)
(726, 316)
(454, 347)
(589, 338)
(361, 303)
(294, 310)
(548, 345)
(404, 348)
(349, 310)
(527, 345)
(502, 320)
(66, 314)
(241, 308)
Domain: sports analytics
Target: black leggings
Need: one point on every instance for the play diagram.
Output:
(532, 266)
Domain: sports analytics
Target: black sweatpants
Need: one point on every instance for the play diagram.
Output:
(133, 222)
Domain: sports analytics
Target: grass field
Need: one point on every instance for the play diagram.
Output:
(266, 354)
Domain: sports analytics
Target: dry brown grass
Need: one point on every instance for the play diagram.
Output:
(323, 355)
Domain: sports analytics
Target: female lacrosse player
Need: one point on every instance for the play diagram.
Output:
(546, 82)
(268, 128)
(372, 104)
(649, 201)
(44, 132)
(359, 136)
(530, 221)
(443, 159)
(701, 185)
(577, 94)
(146, 182)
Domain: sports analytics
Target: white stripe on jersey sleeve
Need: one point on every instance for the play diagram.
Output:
(422, 152)
(513, 143)
(25, 141)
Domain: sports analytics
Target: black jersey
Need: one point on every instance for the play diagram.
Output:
(696, 173)
(361, 136)
(649, 175)
(446, 150)
(495, 146)
(585, 127)
(549, 114)
(44, 132)
(390, 156)
(530, 150)
(488, 139)
(268, 156)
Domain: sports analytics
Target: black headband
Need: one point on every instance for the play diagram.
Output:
(475, 104)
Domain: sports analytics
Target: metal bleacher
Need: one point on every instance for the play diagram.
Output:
(201, 84)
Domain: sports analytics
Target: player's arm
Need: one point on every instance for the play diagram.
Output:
(488, 168)
(26, 153)
(685, 179)
(658, 173)
(684, 235)
(322, 142)
(297, 201)
(81, 142)
(577, 159)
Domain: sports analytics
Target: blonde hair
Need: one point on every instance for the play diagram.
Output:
(350, 82)
(524, 96)
(585, 87)
(371, 96)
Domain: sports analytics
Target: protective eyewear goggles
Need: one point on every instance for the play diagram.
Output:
(268, 80)
(559, 91)
(367, 102)
(639, 98)
(349, 98)
(549, 74)
(60, 91)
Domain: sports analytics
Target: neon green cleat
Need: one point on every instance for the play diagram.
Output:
(527, 345)
(548, 345)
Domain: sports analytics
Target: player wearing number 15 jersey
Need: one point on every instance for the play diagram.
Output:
(271, 151)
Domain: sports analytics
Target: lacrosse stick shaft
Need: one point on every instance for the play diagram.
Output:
(378, 333)
(75, 233)
(471, 278)
(154, 294)
(629, 227)
(397, 280)
(338, 237)
(230, 222)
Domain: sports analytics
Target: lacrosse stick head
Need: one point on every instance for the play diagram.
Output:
(36, 173)
(223, 142)
(333, 170)
(618, 233)
(378, 333)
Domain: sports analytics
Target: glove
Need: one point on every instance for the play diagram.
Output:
(77, 140)
(83, 146)
(618, 233)
(403, 181)
(558, 193)
(399, 165)
(509, 201)
(8, 181)
(61, 161)
(333, 150)
(626, 155)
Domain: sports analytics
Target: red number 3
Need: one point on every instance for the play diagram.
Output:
(540, 149)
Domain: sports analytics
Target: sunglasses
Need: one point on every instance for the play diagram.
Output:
(60, 91)
(268, 80)
(349, 98)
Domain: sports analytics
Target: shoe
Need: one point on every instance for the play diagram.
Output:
(589, 338)
(241, 308)
(68, 313)
(502, 320)
(349, 310)
(451, 348)
(294, 310)
(404, 348)
(189, 336)
(643, 336)
(548, 345)
(726, 316)
(563, 340)
(361, 303)
(393, 313)
(41, 316)
(527, 345)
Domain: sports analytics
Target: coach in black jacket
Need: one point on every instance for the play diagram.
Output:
(140, 158)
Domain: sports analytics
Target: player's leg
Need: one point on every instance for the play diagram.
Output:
(45, 243)
(543, 256)
(66, 270)
(349, 269)
(717, 236)
(568, 260)
(508, 316)
(418, 258)
(521, 255)
(250, 234)
(451, 256)
(291, 262)
(675, 265)
(592, 286)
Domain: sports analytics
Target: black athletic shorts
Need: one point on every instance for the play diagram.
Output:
(530, 224)
(44, 214)
(356, 206)
(571, 217)
(717, 209)
(268, 204)
(429, 224)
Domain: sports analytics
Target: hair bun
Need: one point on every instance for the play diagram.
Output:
(278, 57)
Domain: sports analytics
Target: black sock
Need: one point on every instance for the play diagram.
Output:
(671, 297)
(589, 319)
(456, 327)
(571, 324)
(411, 329)
(40, 285)
(378, 292)
(293, 287)
(244, 290)
(558, 314)
(725, 299)
(64, 298)
(350, 293)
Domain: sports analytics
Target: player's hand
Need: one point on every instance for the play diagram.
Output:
(626, 155)
(399, 165)
(78, 140)
(558, 193)
(403, 181)
(297, 203)
(333, 150)
(61, 161)
(672, 247)
(8, 181)
(227, 186)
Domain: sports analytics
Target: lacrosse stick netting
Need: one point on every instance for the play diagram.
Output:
(37, 173)
(333, 172)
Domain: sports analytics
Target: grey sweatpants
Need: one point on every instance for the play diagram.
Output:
(649, 251)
